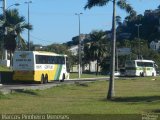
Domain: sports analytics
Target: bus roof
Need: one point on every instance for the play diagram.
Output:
(140, 60)
(41, 53)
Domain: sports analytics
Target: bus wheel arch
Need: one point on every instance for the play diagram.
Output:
(63, 77)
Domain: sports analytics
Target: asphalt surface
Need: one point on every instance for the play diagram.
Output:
(9, 88)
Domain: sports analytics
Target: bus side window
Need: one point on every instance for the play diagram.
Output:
(53, 61)
(63, 60)
(59, 60)
(49, 60)
(43, 59)
(37, 59)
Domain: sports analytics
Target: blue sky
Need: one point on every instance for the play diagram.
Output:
(54, 21)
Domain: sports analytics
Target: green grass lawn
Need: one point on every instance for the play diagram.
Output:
(133, 96)
(3, 68)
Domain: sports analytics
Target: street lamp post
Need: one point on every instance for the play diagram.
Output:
(138, 25)
(28, 3)
(16, 4)
(79, 45)
(4, 14)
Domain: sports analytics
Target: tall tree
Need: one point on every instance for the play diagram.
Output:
(98, 48)
(118, 20)
(123, 5)
(16, 24)
(10, 44)
(87, 57)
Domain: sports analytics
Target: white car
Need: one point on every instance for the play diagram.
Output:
(117, 73)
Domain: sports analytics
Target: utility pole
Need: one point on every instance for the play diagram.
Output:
(5, 29)
(117, 59)
(28, 3)
(138, 25)
(79, 46)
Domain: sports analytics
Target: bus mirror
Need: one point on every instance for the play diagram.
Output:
(156, 65)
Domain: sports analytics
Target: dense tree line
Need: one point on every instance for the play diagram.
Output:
(96, 47)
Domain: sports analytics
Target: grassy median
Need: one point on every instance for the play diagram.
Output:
(133, 96)
(3, 68)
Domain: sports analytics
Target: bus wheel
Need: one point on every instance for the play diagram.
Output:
(142, 74)
(63, 77)
(46, 79)
(42, 79)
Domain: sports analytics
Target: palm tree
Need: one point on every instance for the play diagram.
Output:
(15, 25)
(123, 5)
(10, 44)
(118, 20)
(15, 22)
(87, 57)
(98, 47)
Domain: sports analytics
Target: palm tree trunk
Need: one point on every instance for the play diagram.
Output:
(89, 66)
(10, 52)
(111, 92)
(97, 67)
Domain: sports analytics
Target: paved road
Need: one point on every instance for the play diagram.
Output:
(9, 88)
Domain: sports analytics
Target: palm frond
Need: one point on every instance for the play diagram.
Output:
(92, 3)
(15, 21)
(21, 42)
(22, 26)
(13, 17)
(124, 5)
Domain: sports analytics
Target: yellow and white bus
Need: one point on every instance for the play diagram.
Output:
(39, 66)
(140, 68)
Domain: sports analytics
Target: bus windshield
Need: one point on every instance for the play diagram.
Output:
(130, 64)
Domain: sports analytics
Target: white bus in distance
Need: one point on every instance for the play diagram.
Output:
(140, 68)
(39, 66)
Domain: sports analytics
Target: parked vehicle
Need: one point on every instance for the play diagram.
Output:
(117, 73)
